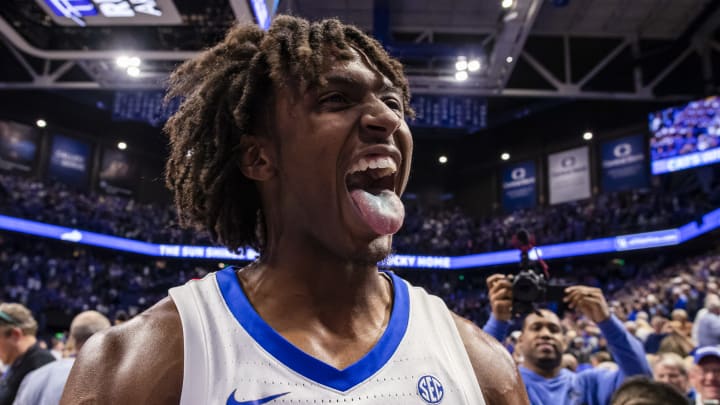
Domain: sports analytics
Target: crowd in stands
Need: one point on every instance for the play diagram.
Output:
(441, 230)
(51, 278)
(658, 303)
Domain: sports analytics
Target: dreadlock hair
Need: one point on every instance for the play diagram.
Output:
(228, 93)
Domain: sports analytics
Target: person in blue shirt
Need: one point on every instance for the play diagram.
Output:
(542, 345)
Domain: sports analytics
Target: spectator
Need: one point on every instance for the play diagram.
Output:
(670, 369)
(708, 326)
(19, 348)
(58, 347)
(541, 345)
(643, 391)
(705, 376)
(45, 385)
(120, 317)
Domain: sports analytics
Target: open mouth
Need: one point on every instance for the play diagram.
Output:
(371, 183)
(372, 174)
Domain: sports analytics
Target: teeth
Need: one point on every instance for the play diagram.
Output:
(381, 162)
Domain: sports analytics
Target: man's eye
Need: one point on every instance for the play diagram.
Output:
(333, 98)
(394, 104)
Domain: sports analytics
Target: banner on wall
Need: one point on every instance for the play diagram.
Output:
(519, 190)
(145, 106)
(69, 161)
(569, 175)
(118, 173)
(18, 147)
(624, 164)
(449, 112)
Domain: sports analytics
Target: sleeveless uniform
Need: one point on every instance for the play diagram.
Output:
(233, 357)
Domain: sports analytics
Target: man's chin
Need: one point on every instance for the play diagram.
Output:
(548, 363)
(711, 393)
(376, 251)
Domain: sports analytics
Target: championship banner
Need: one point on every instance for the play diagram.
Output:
(118, 174)
(69, 161)
(146, 106)
(18, 147)
(519, 186)
(623, 164)
(569, 175)
(449, 112)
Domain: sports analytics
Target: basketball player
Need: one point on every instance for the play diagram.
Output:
(294, 141)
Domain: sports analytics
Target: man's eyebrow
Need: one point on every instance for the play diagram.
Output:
(345, 80)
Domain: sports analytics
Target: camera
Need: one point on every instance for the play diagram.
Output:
(530, 286)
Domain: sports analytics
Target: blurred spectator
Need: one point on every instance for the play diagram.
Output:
(708, 326)
(705, 376)
(58, 347)
(652, 342)
(643, 391)
(120, 317)
(45, 385)
(671, 369)
(19, 348)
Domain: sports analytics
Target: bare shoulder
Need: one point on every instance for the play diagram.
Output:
(140, 361)
(494, 368)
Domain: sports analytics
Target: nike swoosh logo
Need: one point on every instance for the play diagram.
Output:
(232, 401)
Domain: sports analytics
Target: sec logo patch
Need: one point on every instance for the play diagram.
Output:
(430, 389)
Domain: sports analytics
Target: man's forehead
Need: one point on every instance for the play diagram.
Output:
(545, 317)
(358, 69)
(710, 362)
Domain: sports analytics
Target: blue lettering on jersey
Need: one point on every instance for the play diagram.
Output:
(232, 401)
(430, 389)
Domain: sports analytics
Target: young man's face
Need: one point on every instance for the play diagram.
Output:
(344, 159)
(541, 341)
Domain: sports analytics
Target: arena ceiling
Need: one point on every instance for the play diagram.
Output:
(576, 65)
(598, 49)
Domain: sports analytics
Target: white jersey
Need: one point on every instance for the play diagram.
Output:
(233, 357)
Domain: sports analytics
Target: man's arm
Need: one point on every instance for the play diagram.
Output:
(627, 352)
(138, 362)
(500, 383)
(500, 295)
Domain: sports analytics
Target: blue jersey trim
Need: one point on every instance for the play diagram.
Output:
(301, 362)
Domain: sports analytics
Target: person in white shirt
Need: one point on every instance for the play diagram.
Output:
(46, 384)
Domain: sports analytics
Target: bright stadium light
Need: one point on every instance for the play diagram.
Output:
(41, 123)
(122, 145)
(506, 4)
(505, 156)
(442, 159)
(133, 71)
(473, 65)
(509, 59)
(461, 64)
(588, 135)
(125, 61)
(461, 76)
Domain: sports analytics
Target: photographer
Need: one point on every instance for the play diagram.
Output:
(541, 345)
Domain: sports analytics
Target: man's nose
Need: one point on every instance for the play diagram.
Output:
(379, 121)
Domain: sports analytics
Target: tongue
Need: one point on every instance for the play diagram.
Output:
(384, 213)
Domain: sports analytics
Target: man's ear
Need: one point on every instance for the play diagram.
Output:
(257, 158)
